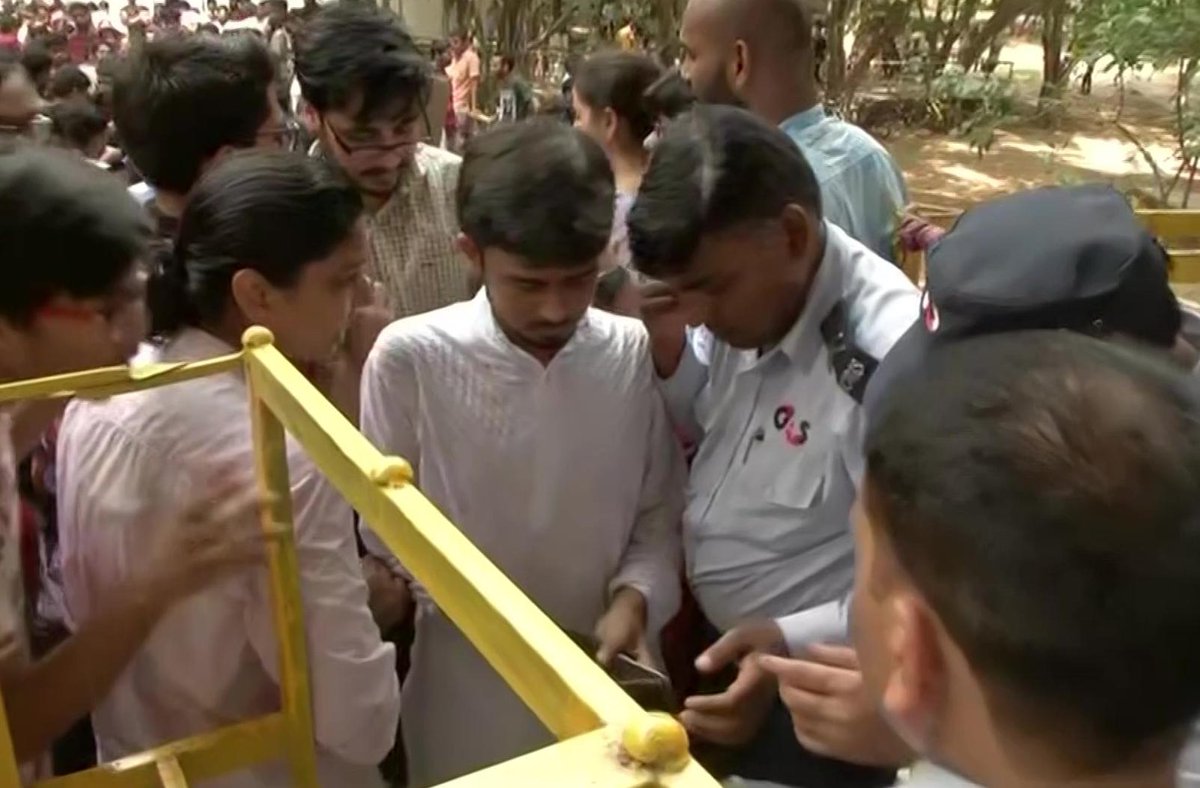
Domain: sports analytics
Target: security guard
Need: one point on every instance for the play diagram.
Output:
(795, 316)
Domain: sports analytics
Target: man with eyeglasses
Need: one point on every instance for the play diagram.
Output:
(366, 88)
(183, 103)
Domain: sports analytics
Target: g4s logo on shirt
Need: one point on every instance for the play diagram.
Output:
(794, 432)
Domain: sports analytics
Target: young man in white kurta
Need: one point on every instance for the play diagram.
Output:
(562, 469)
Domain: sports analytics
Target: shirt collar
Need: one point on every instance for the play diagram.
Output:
(805, 335)
(803, 120)
(481, 308)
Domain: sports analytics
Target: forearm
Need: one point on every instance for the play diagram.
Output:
(45, 698)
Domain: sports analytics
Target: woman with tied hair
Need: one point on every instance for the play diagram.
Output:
(611, 107)
(269, 239)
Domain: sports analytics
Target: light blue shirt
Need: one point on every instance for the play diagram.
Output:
(766, 527)
(862, 189)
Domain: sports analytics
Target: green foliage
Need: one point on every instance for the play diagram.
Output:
(971, 105)
(1133, 33)
(1162, 34)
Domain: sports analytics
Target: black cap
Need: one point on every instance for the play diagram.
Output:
(1072, 258)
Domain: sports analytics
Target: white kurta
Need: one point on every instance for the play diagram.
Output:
(213, 660)
(567, 476)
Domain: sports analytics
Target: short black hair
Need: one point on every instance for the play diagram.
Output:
(715, 167)
(619, 81)
(184, 97)
(77, 122)
(509, 61)
(538, 189)
(273, 212)
(1042, 492)
(9, 23)
(670, 95)
(68, 80)
(68, 228)
(37, 61)
(352, 51)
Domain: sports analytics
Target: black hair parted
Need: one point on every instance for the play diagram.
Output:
(619, 81)
(68, 228)
(184, 97)
(537, 189)
(272, 212)
(1042, 492)
(670, 95)
(351, 54)
(714, 168)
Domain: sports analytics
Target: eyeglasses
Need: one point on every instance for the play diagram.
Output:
(413, 134)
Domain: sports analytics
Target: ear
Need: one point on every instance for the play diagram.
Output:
(612, 125)
(913, 693)
(471, 251)
(802, 232)
(310, 118)
(739, 66)
(253, 295)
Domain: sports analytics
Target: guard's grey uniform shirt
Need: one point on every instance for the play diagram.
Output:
(766, 529)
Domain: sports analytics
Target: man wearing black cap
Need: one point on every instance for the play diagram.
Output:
(1084, 264)
(796, 314)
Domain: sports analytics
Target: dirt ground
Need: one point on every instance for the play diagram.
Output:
(944, 171)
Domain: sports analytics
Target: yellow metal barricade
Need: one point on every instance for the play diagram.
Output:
(606, 740)
(1177, 230)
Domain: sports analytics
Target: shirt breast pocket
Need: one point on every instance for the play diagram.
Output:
(794, 499)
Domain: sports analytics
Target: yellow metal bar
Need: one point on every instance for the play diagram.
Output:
(10, 775)
(270, 459)
(1185, 267)
(591, 759)
(559, 683)
(203, 757)
(1172, 224)
(110, 381)
(171, 773)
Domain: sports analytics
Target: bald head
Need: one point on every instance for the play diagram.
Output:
(741, 51)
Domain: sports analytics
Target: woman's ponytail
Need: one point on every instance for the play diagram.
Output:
(167, 294)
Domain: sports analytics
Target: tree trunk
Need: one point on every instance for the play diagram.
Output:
(1003, 15)
(835, 33)
(1053, 66)
(885, 27)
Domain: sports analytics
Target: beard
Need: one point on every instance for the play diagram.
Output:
(718, 90)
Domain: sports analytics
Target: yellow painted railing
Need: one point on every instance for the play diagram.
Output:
(606, 739)
(1178, 230)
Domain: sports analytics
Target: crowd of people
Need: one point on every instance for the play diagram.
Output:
(657, 363)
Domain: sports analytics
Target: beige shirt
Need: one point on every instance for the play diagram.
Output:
(413, 238)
